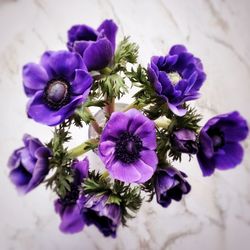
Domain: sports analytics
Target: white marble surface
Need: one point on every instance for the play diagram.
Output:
(215, 215)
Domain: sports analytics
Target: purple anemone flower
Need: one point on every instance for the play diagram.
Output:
(219, 145)
(69, 207)
(106, 217)
(176, 77)
(127, 146)
(184, 141)
(29, 165)
(56, 86)
(95, 46)
(170, 184)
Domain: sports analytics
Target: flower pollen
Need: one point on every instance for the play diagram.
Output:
(174, 77)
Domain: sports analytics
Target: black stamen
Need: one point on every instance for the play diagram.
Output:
(128, 147)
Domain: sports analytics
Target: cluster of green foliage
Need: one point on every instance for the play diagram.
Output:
(127, 197)
(60, 163)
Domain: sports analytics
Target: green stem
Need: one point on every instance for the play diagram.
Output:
(133, 105)
(82, 148)
(94, 123)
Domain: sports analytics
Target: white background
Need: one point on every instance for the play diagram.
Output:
(215, 215)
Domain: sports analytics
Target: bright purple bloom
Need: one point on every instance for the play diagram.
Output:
(219, 145)
(127, 146)
(69, 207)
(56, 86)
(29, 165)
(170, 184)
(95, 46)
(105, 216)
(184, 141)
(176, 77)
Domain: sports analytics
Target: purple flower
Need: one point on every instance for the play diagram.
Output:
(95, 46)
(176, 77)
(106, 217)
(56, 86)
(219, 145)
(69, 207)
(29, 165)
(170, 184)
(184, 141)
(127, 146)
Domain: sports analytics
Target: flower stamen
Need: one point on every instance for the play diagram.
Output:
(128, 148)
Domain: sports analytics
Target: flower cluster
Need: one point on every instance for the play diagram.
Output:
(138, 144)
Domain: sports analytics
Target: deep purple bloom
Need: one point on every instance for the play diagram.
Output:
(184, 141)
(127, 146)
(29, 165)
(219, 145)
(106, 217)
(69, 207)
(56, 86)
(170, 184)
(176, 77)
(95, 46)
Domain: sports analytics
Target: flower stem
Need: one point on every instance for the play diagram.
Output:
(83, 148)
(130, 106)
(110, 106)
(94, 123)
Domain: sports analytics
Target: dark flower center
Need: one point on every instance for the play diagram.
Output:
(128, 147)
(57, 93)
(217, 138)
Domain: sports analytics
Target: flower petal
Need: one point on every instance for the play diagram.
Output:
(82, 169)
(177, 110)
(40, 171)
(40, 112)
(117, 124)
(72, 220)
(231, 158)
(206, 165)
(145, 170)
(124, 172)
(150, 158)
(177, 49)
(82, 82)
(109, 28)
(35, 78)
(20, 177)
(98, 54)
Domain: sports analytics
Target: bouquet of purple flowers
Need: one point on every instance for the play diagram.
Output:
(138, 145)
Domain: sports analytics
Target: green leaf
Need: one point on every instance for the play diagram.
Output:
(126, 52)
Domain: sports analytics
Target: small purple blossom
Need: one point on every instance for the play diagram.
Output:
(127, 146)
(29, 165)
(56, 86)
(170, 184)
(219, 145)
(69, 207)
(176, 77)
(106, 217)
(95, 46)
(184, 141)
